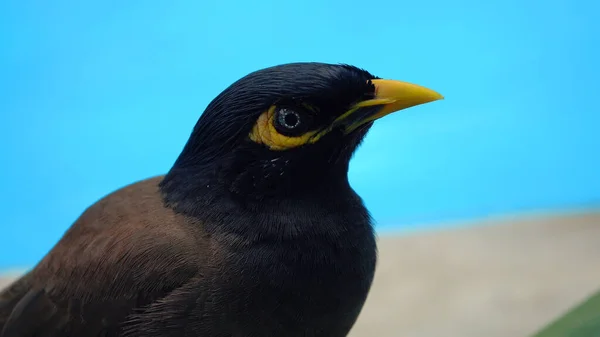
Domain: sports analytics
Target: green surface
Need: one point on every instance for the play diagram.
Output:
(581, 321)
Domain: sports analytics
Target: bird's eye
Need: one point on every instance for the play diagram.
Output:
(284, 127)
(291, 122)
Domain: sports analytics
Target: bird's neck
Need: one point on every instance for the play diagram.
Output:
(205, 194)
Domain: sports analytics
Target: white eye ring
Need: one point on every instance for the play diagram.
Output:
(282, 118)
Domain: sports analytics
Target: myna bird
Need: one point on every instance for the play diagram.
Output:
(254, 231)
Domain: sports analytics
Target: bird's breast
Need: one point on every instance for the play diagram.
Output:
(315, 287)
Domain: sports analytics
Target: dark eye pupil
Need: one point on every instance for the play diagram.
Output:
(291, 120)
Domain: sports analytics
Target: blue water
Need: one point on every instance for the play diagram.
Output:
(97, 94)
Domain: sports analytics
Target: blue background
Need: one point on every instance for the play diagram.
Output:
(98, 94)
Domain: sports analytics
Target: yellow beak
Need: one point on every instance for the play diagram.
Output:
(390, 96)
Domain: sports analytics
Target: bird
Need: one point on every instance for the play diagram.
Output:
(255, 230)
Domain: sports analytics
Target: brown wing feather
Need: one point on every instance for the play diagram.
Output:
(124, 253)
(170, 315)
(11, 295)
(41, 315)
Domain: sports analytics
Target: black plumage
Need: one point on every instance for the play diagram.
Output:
(255, 230)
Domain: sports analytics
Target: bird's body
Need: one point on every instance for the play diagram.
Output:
(175, 272)
(250, 234)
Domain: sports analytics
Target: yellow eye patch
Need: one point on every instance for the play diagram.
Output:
(264, 132)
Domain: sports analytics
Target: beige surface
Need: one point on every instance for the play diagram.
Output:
(495, 281)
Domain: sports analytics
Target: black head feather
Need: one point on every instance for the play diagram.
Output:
(219, 156)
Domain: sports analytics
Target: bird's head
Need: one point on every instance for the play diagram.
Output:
(288, 130)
